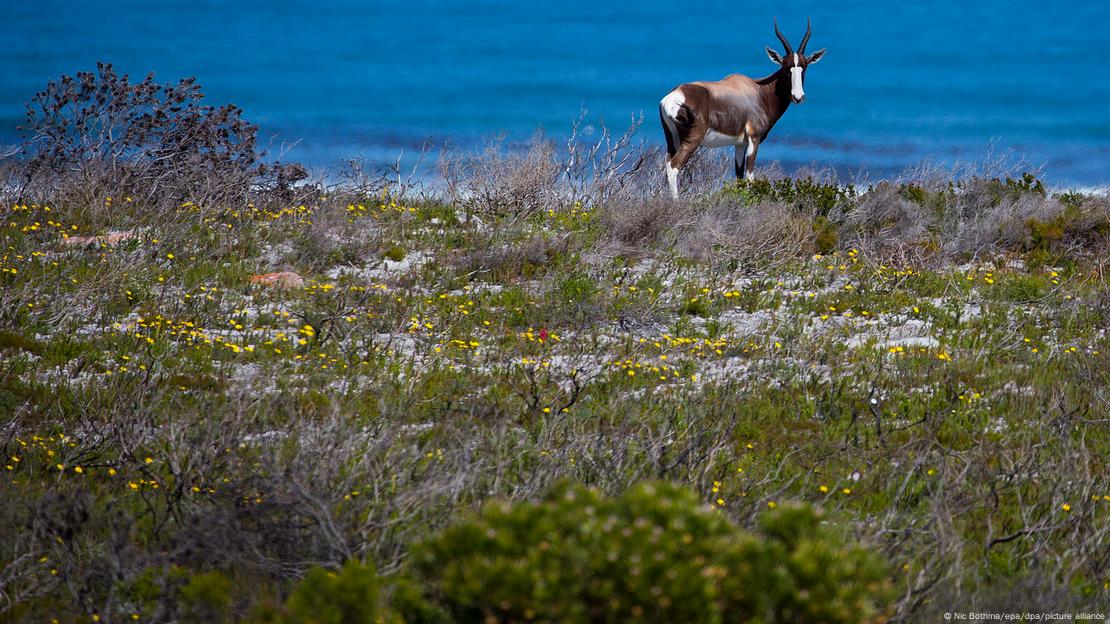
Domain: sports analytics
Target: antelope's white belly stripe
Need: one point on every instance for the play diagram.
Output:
(717, 139)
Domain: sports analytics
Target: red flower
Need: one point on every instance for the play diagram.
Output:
(543, 334)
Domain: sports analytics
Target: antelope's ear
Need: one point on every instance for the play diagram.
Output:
(816, 56)
(774, 56)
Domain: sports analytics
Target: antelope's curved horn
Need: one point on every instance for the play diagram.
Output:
(805, 40)
(782, 38)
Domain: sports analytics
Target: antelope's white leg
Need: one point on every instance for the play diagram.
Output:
(749, 155)
(672, 180)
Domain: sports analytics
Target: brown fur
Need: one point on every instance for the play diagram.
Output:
(735, 106)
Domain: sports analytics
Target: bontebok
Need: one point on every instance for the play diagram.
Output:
(734, 111)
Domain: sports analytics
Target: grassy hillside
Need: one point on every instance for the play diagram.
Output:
(215, 380)
(928, 364)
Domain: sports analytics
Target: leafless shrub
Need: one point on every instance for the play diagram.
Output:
(1089, 224)
(946, 214)
(637, 223)
(1013, 219)
(765, 232)
(814, 173)
(645, 178)
(362, 178)
(936, 176)
(883, 222)
(595, 170)
(394, 180)
(983, 216)
(12, 176)
(494, 183)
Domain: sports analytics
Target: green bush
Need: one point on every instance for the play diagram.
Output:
(819, 575)
(412, 606)
(395, 253)
(654, 554)
(1017, 287)
(207, 597)
(821, 197)
(825, 237)
(351, 595)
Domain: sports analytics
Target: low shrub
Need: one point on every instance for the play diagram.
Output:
(99, 135)
(207, 597)
(513, 260)
(819, 196)
(350, 595)
(769, 232)
(496, 184)
(653, 554)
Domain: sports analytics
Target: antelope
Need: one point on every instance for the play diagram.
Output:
(735, 110)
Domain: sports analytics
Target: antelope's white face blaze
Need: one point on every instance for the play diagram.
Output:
(796, 90)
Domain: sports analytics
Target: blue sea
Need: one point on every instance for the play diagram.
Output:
(902, 82)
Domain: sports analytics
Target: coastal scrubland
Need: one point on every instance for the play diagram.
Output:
(536, 389)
